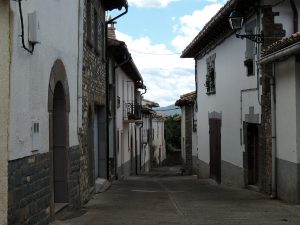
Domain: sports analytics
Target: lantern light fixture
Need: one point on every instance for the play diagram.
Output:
(236, 22)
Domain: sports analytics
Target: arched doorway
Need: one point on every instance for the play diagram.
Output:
(59, 146)
(58, 108)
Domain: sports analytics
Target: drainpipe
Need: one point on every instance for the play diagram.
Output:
(295, 15)
(274, 140)
(79, 68)
(117, 17)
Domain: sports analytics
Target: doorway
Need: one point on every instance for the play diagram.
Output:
(252, 151)
(60, 184)
(215, 149)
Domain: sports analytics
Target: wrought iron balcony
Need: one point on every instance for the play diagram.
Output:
(132, 111)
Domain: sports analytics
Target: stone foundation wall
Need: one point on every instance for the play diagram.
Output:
(74, 177)
(29, 190)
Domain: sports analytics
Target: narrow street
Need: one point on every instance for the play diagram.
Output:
(165, 197)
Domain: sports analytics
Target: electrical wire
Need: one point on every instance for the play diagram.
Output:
(150, 53)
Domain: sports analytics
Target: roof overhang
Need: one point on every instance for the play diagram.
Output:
(120, 52)
(114, 4)
(218, 27)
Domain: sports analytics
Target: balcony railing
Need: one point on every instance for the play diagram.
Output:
(132, 111)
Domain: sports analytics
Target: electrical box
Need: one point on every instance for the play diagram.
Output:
(35, 134)
(33, 28)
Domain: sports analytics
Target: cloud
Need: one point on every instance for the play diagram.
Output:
(191, 25)
(165, 74)
(151, 3)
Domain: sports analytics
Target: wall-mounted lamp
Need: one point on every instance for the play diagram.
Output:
(236, 22)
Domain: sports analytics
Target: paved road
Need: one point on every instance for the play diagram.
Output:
(164, 197)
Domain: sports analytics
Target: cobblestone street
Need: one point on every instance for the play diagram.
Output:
(165, 197)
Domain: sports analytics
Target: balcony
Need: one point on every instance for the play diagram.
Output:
(132, 111)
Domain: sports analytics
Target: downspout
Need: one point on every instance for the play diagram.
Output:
(107, 87)
(274, 140)
(117, 17)
(79, 70)
(295, 15)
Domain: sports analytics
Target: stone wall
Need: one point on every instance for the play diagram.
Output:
(29, 190)
(93, 91)
(74, 177)
(270, 29)
(188, 139)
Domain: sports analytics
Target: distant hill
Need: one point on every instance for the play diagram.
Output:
(168, 110)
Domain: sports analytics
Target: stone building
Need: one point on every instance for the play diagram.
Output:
(53, 94)
(238, 141)
(189, 148)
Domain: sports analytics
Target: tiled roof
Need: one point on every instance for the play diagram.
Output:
(281, 44)
(186, 99)
(217, 28)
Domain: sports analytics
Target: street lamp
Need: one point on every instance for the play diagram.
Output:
(236, 22)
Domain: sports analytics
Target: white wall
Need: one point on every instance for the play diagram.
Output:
(30, 74)
(4, 106)
(125, 90)
(286, 16)
(159, 140)
(230, 78)
(286, 110)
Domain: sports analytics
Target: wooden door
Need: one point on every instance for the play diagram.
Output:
(59, 146)
(91, 148)
(215, 149)
(252, 153)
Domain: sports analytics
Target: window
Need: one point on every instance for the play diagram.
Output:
(250, 49)
(96, 31)
(210, 82)
(89, 22)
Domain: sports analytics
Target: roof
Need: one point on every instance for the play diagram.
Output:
(186, 99)
(281, 44)
(114, 4)
(217, 28)
(120, 51)
(150, 104)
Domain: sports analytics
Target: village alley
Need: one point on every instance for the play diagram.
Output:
(165, 197)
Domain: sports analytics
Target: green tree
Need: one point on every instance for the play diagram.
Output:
(173, 132)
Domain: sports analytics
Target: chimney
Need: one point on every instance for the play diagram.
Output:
(111, 30)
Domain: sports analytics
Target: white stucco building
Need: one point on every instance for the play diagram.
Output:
(125, 107)
(4, 105)
(234, 116)
(43, 104)
(159, 144)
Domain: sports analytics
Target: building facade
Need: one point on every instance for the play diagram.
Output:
(52, 77)
(189, 148)
(159, 144)
(235, 126)
(124, 108)
(4, 105)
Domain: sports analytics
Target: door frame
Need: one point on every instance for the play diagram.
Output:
(215, 156)
(58, 74)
